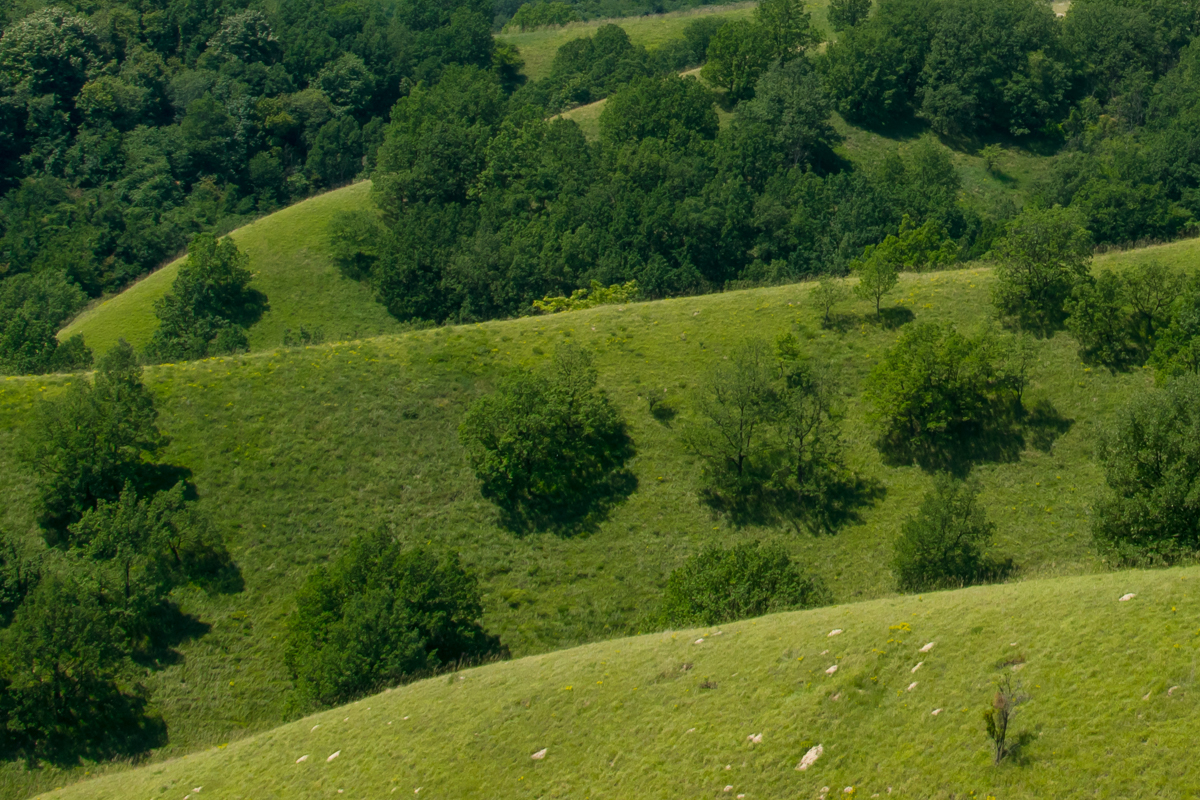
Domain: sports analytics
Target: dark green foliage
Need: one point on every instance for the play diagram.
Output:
(674, 110)
(381, 615)
(84, 446)
(32, 309)
(65, 693)
(543, 14)
(845, 14)
(19, 574)
(742, 50)
(718, 585)
(944, 544)
(1044, 254)
(937, 393)
(768, 435)
(1177, 351)
(210, 304)
(548, 447)
(1150, 511)
(588, 69)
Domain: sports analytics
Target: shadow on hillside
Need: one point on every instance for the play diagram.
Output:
(581, 514)
(895, 316)
(168, 627)
(997, 436)
(819, 510)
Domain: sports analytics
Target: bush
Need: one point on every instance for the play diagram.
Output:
(1177, 351)
(210, 304)
(381, 615)
(1150, 512)
(717, 585)
(942, 545)
(548, 447)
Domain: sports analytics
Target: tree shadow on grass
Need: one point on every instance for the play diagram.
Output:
(821, 511)
(895, 317)
(578, 514)
(1018, 750)
(1044, 425)
(168, 627)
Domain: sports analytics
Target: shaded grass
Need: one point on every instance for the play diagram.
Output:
(662, 716)
(293, 451)
(289, 258)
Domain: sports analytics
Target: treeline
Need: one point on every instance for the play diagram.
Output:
(126, 128)
(489, 206)
(520, 15)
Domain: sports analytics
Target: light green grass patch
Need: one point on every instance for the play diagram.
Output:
(539, 47)
(289, 256)
(1112, 710)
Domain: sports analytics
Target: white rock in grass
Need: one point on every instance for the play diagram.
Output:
(937, 711)
(301, 759)
(917, 667)
(540, 754)
(831, 670)
(1127, 597)
(728, 789)
(911, 686)
(333, 756)
(755, 738)
(835, 631)
(810, 758)
(1172, 691)
(699, 641)
(314, 727)
(928, 647)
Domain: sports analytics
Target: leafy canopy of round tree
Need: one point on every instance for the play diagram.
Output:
(1043, 255)
(381, 615)
(1150, 512)
(210, 304)
(845, 14)
(548, 447)
(742, 50)
(718, 585)
(1177, 351)
(943, 545)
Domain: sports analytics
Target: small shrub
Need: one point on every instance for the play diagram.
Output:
(943, 544)
(998, 718)
(719, 585)
(596, 295)
(1043, 255)
(303, 337)
(827, 294)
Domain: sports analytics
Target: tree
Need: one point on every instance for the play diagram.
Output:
(548, 447)
(1178, 349)
(1100, 321)
(828, 292)
(1150, 511)
(1151, 289)
(943, 545)
(85, 445)
(1043, 255)
(32, 309)
(210, 304)
(19, 575)
(786, 27)
(677, 110)
(877, 275)
(845, 14)
(737, 56)
(380, 615)
(717, 585)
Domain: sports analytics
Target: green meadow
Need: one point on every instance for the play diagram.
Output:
(288, 253)
(295, 450)
(1110, 711)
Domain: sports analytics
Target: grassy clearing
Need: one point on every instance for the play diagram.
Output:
(289, 257)
(539, 47)
(1112, 687)
(295, 450)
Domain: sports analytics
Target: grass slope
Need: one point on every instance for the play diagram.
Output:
(289, 256)
(293, 451)
(1112, 710)
(539, 47)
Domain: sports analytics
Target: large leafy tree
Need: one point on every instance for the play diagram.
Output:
(380, 615)
(1043, 255)
(210, 304)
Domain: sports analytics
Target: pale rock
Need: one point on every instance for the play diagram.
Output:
(911, 686)
(540, 754)
(333, 756)
(835, 632)
(936, 711)
(301, 759)
(1126, 597)
(928, 647)
(810, 758)
(755, 738)
(917, 667)
(831, 670)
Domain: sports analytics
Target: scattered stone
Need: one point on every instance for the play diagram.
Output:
(1127, 597)
(848, 790)
(729, 766)
(831, 670)
(699, 641)
(729, 788)
(823, 652)
(928, 647)
(755, 738)
(690, 730)
(937, 711)
(836, 697)
(332, 757)
(314, 727)
(1018, 667)
(835, 631)
(1146, 696)
(1172, 691)
(301, 759)
(810, 758)
(911, 686)
(917, 667)
(540, 754)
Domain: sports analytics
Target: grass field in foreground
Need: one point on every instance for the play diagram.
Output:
(293, 451)
(289, 258)
(539, 47)
(1112, 710)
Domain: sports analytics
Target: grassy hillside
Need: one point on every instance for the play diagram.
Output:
(1112, 710)
(295, 450)
(538, 47)
(289, 257)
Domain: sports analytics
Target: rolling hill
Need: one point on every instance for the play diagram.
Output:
(289, 257)
(892, 691)
(294, 450)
